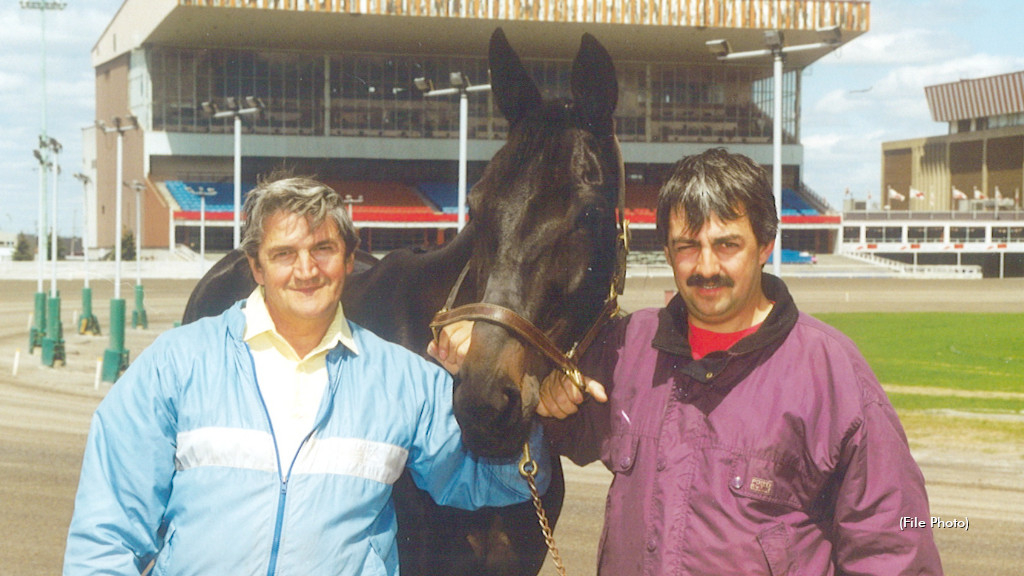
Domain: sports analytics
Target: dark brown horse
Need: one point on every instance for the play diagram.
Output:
(542, 242)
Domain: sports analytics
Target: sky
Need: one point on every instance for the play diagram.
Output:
(868, 92)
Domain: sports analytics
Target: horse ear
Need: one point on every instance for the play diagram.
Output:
(513, 89)
(595, 89)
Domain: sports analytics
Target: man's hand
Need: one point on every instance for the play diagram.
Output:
(452, 345)
(560, 398)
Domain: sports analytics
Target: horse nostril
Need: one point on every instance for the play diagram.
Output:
(511, 411)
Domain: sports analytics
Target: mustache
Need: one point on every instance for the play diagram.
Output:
(716, 281)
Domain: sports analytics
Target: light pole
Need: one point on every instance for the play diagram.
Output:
(235, 108)
(776, 49)
(349, 201)
(115, 358)
(38, 328)
(461, 86)
(53, 343)
(87, 322)
(202, 193)
(139, 314)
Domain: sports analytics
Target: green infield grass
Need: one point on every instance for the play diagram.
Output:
(934, 361)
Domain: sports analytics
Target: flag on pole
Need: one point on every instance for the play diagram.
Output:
(978, 194)
(958, 194)
(894, 195)
(915, 193)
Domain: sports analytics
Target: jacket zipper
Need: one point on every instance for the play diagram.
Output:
(279, 521)
(284, 478)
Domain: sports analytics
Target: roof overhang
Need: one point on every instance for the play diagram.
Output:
(169, 24)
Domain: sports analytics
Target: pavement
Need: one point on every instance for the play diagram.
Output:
(45, 412)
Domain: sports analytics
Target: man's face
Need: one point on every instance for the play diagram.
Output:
(717, 270)
(302, 271)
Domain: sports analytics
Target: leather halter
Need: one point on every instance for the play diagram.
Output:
(530, 333)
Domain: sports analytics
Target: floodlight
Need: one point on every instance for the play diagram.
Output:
(458, 79)
(718, 48)
(423, 85)
(831, 34)
(773, 39)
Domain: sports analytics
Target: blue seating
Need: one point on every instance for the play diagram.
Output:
(444, 195)
(794, 205)
(223, 199)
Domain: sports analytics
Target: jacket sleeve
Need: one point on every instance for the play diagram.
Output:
(881, 485)
(126, 476)
(441, 464)
(580, 437)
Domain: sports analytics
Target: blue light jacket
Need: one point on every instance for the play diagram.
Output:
(181, 464)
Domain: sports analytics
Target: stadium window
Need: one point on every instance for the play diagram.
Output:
(957, 234)
(874, 234)
(851, 234)
(1016, 234)
(1000, 234)
(976, 234)
(933, 234)
(893, 234)
(917, 234)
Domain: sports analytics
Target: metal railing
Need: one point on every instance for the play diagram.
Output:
(930, 271)
(752, 14)
(1010, 215)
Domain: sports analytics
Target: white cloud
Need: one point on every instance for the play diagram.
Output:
(903, 47)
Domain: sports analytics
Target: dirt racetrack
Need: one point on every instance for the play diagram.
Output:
(44, 417)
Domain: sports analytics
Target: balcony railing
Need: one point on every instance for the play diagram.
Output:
(755, 14)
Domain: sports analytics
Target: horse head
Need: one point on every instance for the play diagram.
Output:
(544, 217)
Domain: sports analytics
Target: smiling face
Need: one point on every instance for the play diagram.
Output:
(717, 271)
(302, 272)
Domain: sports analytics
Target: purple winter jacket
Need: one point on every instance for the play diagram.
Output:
(779, 456)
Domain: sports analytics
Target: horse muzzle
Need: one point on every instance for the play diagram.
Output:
(497, 392)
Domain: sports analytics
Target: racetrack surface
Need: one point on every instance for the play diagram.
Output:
(45, 412)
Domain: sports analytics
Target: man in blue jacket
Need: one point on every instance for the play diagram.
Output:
(266, 440)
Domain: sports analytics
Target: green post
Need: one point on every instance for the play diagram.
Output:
(115, 358)
(88, 323)
(38, 331)
(53, 343)
(139, 314)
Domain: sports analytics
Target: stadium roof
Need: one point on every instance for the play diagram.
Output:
(978, 98)
(631, 30)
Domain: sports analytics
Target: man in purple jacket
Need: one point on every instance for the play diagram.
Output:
(745, 437)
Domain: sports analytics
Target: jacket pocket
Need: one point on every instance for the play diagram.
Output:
(775, 543)
(622, 452)
(162, 562)
(764, 480)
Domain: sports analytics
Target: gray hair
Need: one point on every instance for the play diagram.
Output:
(295, 195)
(717, 183)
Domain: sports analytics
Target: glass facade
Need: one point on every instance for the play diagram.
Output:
(374, 95)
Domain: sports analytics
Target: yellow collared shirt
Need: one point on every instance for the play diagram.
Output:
(292, 387)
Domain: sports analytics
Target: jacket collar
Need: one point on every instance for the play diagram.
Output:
(672, 334)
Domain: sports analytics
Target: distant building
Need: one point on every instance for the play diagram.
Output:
(8, 245)
(336, 83)
(957, 197)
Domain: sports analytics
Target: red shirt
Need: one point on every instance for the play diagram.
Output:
(704, 342)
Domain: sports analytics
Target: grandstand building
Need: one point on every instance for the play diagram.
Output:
(334, 82)
(954, 199)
